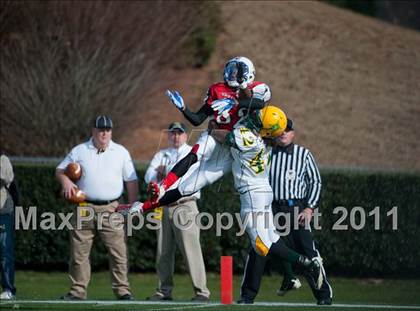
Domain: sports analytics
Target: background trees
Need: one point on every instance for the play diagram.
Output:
(62, 62)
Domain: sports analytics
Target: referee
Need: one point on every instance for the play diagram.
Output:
(106, 168)
(296, 182)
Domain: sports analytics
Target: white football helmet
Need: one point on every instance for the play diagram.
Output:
(239, 72)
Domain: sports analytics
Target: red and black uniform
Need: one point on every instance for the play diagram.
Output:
(225, 120)
(221, 90)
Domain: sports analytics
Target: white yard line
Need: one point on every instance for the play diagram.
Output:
(174, 305)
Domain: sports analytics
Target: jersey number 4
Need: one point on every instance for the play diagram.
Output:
(257, 163)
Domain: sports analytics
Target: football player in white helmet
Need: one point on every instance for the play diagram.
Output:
(239, 72)
(226, 102)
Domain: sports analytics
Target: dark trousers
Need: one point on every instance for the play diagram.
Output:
(300, 240)
(7, 249)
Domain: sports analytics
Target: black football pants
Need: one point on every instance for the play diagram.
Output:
(301, 241)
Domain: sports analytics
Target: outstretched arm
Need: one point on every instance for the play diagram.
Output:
(195, 118)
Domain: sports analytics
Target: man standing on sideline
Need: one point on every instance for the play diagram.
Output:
(181, 212)
(106, 167)
(9, 198)
(296, 182)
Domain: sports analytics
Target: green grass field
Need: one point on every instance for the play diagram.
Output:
(49, 286)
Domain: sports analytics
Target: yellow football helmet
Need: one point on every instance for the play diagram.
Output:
(274, 121)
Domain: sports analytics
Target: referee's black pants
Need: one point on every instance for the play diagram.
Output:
(300, 240)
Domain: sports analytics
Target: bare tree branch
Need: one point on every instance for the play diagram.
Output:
(63, 62)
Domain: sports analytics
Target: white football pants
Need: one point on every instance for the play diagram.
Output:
(257, 216)
(214, 160)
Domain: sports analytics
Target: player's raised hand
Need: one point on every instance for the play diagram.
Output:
(176, 99)
(221, 105)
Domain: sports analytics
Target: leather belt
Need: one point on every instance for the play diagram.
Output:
(98, 202)
(182, 201)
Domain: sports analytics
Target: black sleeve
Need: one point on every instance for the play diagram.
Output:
(251, 103)
(196, 118)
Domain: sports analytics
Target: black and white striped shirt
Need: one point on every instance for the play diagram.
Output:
(294, 175)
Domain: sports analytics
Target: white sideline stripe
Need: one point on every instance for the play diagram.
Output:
(193, 305)
(206, 305)
(338, 305)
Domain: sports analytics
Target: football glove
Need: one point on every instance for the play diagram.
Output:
(221, 105)
(136, 207)
(176, 99)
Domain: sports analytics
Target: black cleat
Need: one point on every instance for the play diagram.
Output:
(314, 268)
(288, 285)
(304, 262)
(245, 301)
(316, 271)
(325, 301)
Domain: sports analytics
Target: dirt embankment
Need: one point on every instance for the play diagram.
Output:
(351, 83)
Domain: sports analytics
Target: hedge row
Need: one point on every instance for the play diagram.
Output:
(365, 252)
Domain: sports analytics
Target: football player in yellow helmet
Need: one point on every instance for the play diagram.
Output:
(268, 122)
(273, 120)
(250, 173)
(251, 179)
